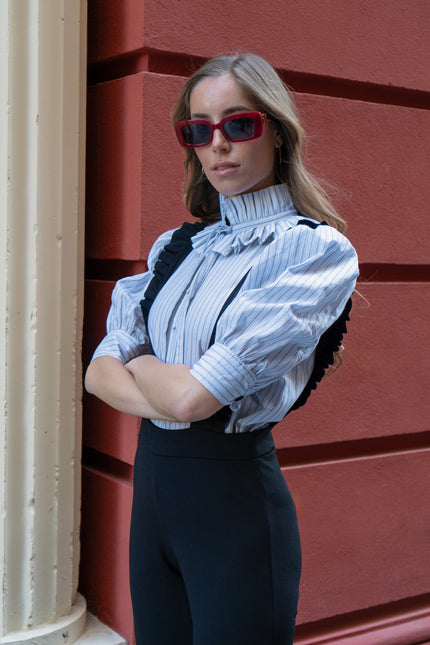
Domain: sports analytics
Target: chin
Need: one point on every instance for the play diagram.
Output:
(233, 190)
(245, 190)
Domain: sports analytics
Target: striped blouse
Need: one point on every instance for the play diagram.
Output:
(298, 280)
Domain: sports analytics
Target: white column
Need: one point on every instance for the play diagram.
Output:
(42, 130)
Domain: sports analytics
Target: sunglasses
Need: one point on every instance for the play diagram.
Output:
(245, 126)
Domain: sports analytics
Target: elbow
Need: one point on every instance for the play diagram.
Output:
(182, 410)
(90, 379)
(184, 414)
(191, 407)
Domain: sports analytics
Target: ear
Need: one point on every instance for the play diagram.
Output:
(278, 139)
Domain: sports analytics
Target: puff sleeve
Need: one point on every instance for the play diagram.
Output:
(126, 336)
(273, 326)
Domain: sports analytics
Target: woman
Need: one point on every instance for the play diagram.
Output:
(228, 348)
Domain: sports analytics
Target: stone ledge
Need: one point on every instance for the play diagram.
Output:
(98, 634)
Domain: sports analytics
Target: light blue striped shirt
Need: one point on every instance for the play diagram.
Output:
(297, 284)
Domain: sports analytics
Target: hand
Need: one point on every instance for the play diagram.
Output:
(142, 367)
(110, 381)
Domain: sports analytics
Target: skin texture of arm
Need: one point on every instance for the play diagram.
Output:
(172, 390)
(147, 387)
(110, 381)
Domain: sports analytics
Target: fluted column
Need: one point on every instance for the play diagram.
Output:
(42, 130)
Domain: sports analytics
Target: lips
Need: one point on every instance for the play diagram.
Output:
(222, 167)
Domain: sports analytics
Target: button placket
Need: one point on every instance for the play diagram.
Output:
(176, 350)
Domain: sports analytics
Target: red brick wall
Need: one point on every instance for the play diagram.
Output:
(357, 457)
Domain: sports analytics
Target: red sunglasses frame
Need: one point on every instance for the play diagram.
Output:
(259, 119)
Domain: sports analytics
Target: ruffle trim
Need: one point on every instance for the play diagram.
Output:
(328, 344)
(226, 240)
(168, 260)
(246, 220)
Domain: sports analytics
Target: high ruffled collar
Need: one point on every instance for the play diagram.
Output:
(260, 205)
(247, 219)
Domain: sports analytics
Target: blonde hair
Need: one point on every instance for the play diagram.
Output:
(266, 90)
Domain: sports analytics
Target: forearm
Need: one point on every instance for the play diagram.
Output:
(110, 381)
(171, 390)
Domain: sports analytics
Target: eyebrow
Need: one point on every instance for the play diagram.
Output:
(226, 112)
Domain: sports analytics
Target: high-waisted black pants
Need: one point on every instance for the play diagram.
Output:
(214, 547)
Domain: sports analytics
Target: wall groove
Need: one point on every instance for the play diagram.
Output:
(356, 90)
(407, 618)
(373, 272)
(358, 449)
(107, 465)
(113, 270)
(292, 457)
(302, 82)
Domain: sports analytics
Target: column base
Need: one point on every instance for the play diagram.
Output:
(78, 628)
(64, 631)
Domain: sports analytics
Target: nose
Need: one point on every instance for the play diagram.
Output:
(219, 142)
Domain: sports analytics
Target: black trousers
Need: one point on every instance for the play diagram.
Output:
(214, 547)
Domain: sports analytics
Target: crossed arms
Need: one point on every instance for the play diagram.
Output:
(149, 388)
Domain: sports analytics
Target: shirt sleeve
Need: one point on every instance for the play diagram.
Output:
(267, 331)
(126, 336)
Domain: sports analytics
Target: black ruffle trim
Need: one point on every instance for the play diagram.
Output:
(328, 344)
(168, 261)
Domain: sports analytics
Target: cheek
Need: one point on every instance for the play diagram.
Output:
(200, 154)
(266, 158)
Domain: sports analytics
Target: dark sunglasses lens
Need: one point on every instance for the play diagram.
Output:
(196, 133)
(238, 129)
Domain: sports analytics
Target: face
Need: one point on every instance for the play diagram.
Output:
(233, 168)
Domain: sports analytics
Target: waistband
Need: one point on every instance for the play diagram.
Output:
(205, 444)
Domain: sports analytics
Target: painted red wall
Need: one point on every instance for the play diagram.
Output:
(356, 457)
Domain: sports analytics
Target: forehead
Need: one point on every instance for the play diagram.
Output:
(214, 96)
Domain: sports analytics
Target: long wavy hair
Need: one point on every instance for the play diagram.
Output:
(267, 92)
